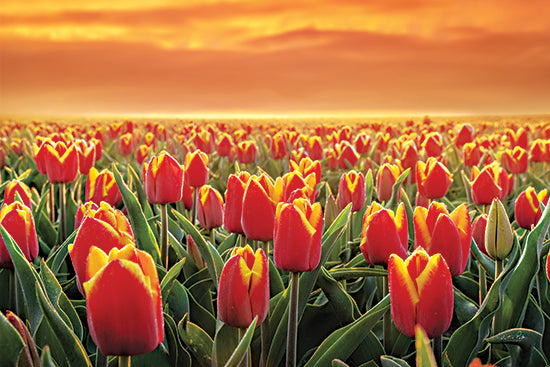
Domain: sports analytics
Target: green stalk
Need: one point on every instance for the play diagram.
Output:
(243, 240)
(265, 324)
(482, 284)
(14, 289)
(438, 349)
(213, 237)
(62, 212)
(164, 234)
(100, 359)
(497, 322)
(387, 319)
(244, 362)
(194, 208)
(292, 335)
(52, 203)
(124, 361)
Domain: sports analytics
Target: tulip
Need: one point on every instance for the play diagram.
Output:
(548, 266)
(195, 253)
(540, 151)
(163, 179)
(82, 210)
(433, 178)
(105, 228)
(196, 168)
(421, 292)
(187, 195)
(279, 146)
(433, 144)
(385, 179)
(351, 189)
(516, 160)
(297, 237)
(20, 188)
(236, 185)
(142, 152)
(243, 291)
(61, 162)
(472, 154)
(489, 183)
(225, 145)
(465, 135)
(86, 156)
(409, 159)
(210, 210)
(258, 209)
(101, 186)
(126, 144)
(346, 155)
(247, 152)
(17, 220)
(384, 233)
(499, 236)
(518, 137)
(204, 142)
(527, 208)
(306, 166)
(293, 181)
(123, 301)
(40, 154)
(478, 232)
(362, 143)
(314, 148)
(28, 355)
(437, 231)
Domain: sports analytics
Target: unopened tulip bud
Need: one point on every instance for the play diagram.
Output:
(499, 236)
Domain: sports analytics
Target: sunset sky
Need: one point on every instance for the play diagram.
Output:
(287, 57)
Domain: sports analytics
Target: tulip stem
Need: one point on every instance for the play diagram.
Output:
(62, 212)
(292, 335)
(52, 203)
(265, 324)
(438, 349)
(387, 319)
(213, 237)
(164, 234)
(124, 361)
(194, 207)
(482, 284)
(100, 359)
(15, 284)
(244, 361)
(498, 314)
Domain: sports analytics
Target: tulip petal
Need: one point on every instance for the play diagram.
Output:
(403, 296)
(462, 220)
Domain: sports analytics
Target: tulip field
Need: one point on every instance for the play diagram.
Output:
(275, 242)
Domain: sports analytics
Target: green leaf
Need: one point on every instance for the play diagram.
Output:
(389, 361)
(396, 189)
(225, 342)
(46, 358)
(523, 277)
(343, 306)
(145, 238)
(56, 258)
(525, 338)
(210, 255)
(73, 349)
(352, 273)
(178, 301)
(241, 349)
(424, 354)
(169, 279)
(342, 342)
(197, 340)
(11, 342)
(178, 355)
(27, 276)
(369, 183)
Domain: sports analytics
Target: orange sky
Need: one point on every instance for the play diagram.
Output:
(274, 57)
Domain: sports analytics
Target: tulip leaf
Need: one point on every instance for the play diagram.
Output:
(396, 190)
(72, 347)
(242, 348)
(483, 260)
(145, 238)
(56, 259)
(178, 355)
(523, 277)
(46, 358)
(464, 308)
(59, 300)
(27, 277)
(169, 279)
(141, 195)
(225, 342)
(525, 338)
(369, 184)
(389, 361)
(197, 340)
(424, 354)
(209, 254)
(11, 341)
(352, 273)
(178, 301)
(344, 307)
(45, 229)
(338, 363)
(342, 342)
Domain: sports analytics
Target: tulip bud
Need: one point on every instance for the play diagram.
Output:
(351, 189)
(433, 178)
(259, 203)
(101, 186)
(244, 288)
(196, 168)
(163, 179)
(20, 188)
(17, 220)
(82, 211)
(29, 354)
(195, 253)
(499, 236)
(331, 210)
(527, 209)
(210, 210)
(61, 162)
(236, 185)
(385, 179)
(478, 232)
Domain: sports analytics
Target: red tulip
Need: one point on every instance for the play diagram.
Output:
(421, 292)
(279, 147)
(478, 232)
(61, 162)
(142, 152)
(259, 203)
(86, 156)
(518, 137)
(351, 189)
(82, 211)
(20, 188)
(527, 208)
(101, 186)
(126, 144)
(409, 159)
(385, 179)
(437, 231)
(225, 145)
(204, 142)
(465, 135)
(105, 228)
(210, 208)
(297, 238)
(306, 167)
(489, 183)
(163, 179)
(472, 154)
(384, 233)
(247, 152)
(540, 151)
(234, 194)
(243, 292)
(314, 148)
(17, 220)
(40, 153)
(28, 355)
(516, 160)
(433, 178)
(123, 301)
(362, 143)
(293, 181)
(433, 144)
(346, 155)
(196, 168)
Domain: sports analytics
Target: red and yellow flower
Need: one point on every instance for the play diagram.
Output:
(210, 208)
(433, 179)
(351, 189)
(385, 179)
(260, 200)
(101, 186)
(17, 220)
(527, 207)
(196, 168)
(163, 179)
